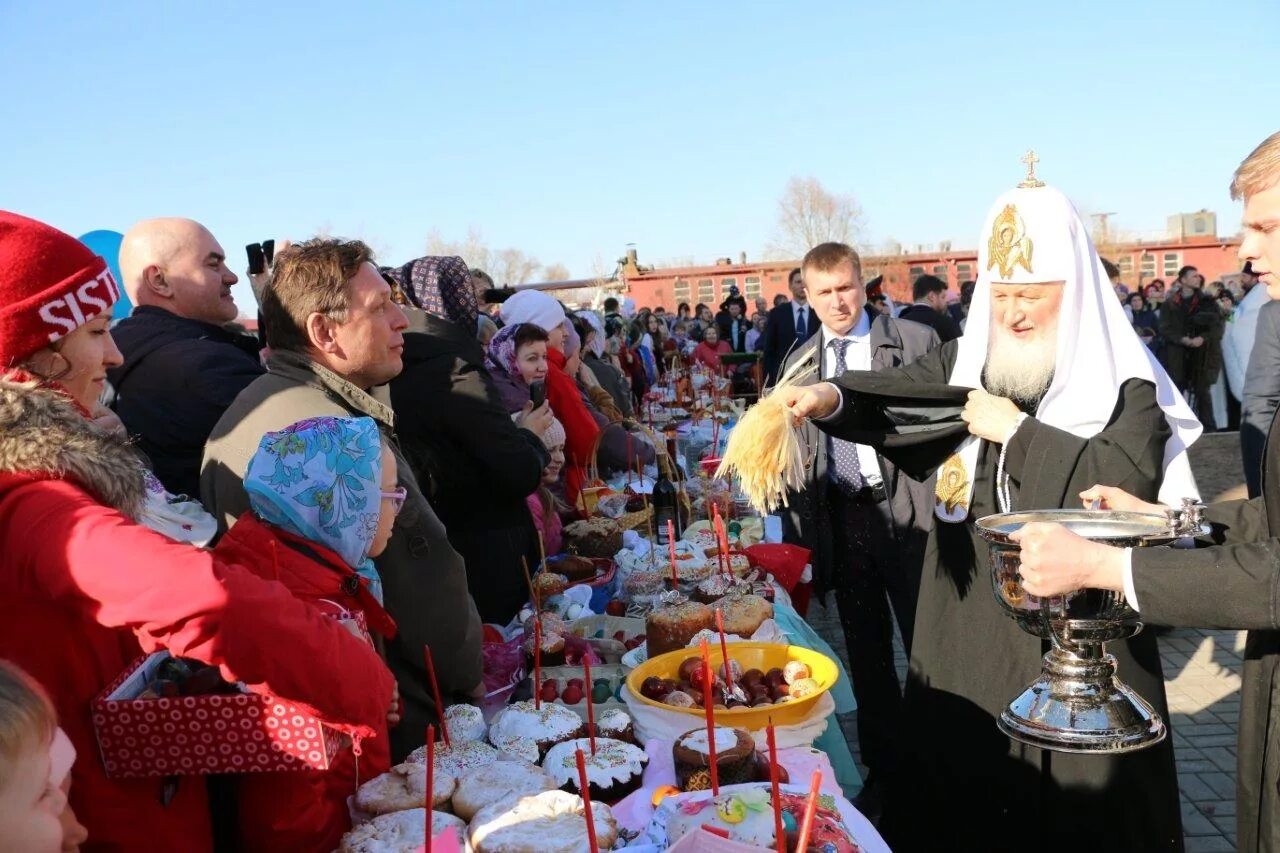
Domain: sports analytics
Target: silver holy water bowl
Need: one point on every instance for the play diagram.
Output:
(1077, 704)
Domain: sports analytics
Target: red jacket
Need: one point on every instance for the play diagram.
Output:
(307, 810)
(580, 429)
(87, 591)
(709, 356)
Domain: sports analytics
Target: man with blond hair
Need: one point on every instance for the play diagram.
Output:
(1233, 584)
(183, 365)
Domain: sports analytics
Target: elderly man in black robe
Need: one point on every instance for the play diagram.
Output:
(1063, 395)
(1235, 583)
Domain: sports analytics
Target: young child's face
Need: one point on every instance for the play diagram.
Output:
(551, 474)
(31, 806)
(532, 361)
(389, 509)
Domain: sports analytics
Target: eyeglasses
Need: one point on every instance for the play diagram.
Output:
(397, 498)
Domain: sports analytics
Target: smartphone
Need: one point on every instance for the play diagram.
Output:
(538, 393)
(257, 260)
(269, 250)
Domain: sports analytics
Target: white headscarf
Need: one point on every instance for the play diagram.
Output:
(593, 320)
(533, 306)
(1045, 240)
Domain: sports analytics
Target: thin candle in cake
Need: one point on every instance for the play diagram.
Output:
(584, 785)
(591, 714)
(810, 808)
(779, 834)
(528, 579)
(724, 648)
(431, 778)
(671, 547)
(435, 689)
(537, 662)
(709, 706)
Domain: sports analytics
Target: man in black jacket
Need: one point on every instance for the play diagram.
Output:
(789, 325)
(866, 522)
(183, 366)
(930, 307)
(476, 465)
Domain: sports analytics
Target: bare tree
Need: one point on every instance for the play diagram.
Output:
(556, 272)
(508, 266)
(809, 214)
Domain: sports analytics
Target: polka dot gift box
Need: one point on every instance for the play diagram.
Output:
(143, 734)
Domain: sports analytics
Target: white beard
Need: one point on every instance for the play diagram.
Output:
(1020, 370)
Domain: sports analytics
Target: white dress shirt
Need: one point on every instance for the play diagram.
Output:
(858, 357)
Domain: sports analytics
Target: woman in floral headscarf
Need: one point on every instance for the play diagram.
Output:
(323, 497)
(458, 437)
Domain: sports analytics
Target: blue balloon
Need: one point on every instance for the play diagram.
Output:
(107, 245)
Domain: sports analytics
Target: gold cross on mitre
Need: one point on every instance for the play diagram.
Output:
(1031, 181)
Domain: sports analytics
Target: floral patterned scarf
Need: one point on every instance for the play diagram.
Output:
(320, 479)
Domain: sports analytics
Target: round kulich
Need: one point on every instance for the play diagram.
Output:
(398, 831)
(404, 787)
(735, 758)
(594, 537)
(614, 770)
(669, 628)
(458, 758)
(550, 822)
(465, 722)
(501, 780)
(576, 569)
(617, 724)
(547, 726)
(744, 614)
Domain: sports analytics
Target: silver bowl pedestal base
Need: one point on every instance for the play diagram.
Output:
(1078, 705)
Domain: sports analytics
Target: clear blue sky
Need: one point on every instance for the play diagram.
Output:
(570, 129)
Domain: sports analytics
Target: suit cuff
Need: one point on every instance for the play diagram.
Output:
(1130, 592)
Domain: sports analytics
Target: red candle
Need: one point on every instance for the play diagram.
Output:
(722, 556)
(585, 786)
(671, 545)
(630, 463)
(709, 705)
(724, 647)
(591, 715)
(537, 662)
(778, 832)
(431, 777)
(810, 806)
(435, 690)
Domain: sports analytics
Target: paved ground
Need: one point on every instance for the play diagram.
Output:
(1202, 677)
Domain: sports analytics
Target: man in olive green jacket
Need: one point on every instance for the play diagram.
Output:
(334, 334)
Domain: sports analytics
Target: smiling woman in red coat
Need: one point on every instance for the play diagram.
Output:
(87, 589)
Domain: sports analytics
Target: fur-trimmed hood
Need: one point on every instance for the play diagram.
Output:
(43, 433)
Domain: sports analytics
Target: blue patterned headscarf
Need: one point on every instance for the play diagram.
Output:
(321, 479)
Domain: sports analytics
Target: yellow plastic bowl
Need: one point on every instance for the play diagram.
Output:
(761, 656)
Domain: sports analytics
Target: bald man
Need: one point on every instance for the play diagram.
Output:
(183, 366)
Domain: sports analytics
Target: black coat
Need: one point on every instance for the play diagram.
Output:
(779, 337)
(969, 659)
(910, 504)
(946, 327)
(1235, 585)
(177, 379)
(476, 465)
(611, 380)
(734, 332)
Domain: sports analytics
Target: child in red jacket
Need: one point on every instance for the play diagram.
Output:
(323, 497)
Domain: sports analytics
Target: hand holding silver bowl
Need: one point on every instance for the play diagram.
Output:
(1078, 704)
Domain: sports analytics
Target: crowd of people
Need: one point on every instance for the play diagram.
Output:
(369, 474)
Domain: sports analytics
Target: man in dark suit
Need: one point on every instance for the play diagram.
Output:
(733, 321)
(930, 308)
(1261, 394)
(789, 325)
(866, 522)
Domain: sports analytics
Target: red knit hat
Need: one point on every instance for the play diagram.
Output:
(50, 285)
